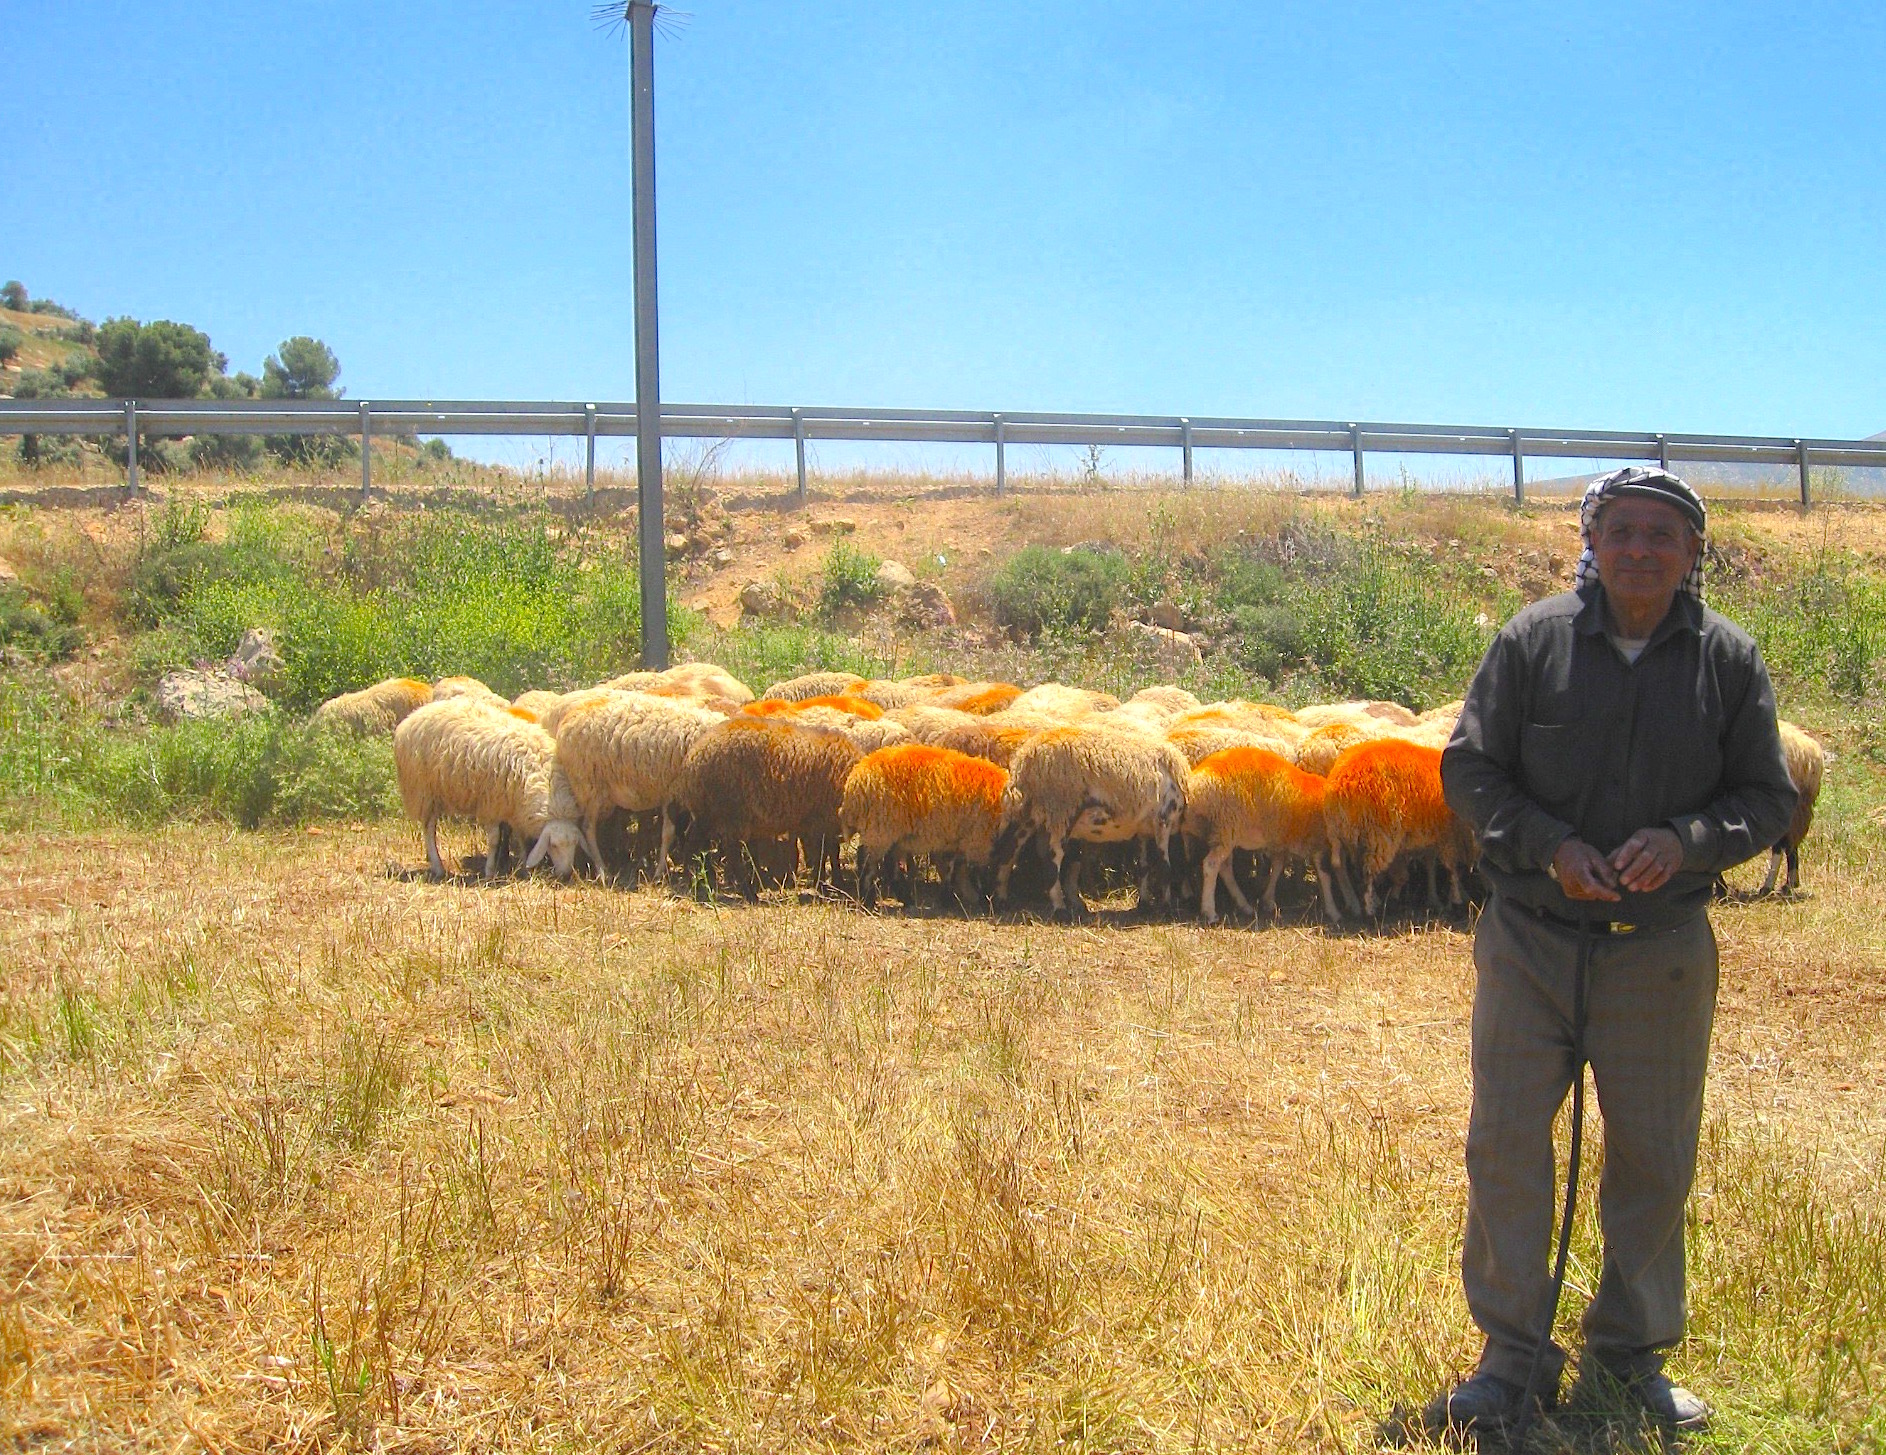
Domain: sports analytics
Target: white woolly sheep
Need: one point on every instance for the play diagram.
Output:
(1062, 701)
(813, 684)
(1807, 765)
(449, 687)
(462, 758)
(625, 750)
(1085, 784)
(374, 711)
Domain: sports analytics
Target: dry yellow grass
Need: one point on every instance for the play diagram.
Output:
(297, 1154)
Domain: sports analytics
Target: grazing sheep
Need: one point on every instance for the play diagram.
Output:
(1172, 700)
(1383, 798)
(537, 702)
(374, 711)
(1255, 717)
(461, 758)
(702, 680)
(1322, 746)
(1360, 712)
(449, 687)
(888, 693)
(625, 750)
(925, 720)
(979, 698)
(844, 703)
(994, 742)
(915, 799)
(1248, 798)
(814, 684)
(1807, 764)
(1084, 784)
(1062, 701)
(749, 780)
(933, 681)
(1198, 741)
(869, 733)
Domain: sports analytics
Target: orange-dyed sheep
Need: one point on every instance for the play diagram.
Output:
(916, 799)
(1383, 799)
(1248, 798)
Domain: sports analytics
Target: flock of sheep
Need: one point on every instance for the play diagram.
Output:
(995, 787)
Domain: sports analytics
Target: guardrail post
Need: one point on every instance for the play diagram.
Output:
(1001, 458)
(366, 451)
(1800, 458)
(589, 459)
(1355, 446)
(1519, 470)
(1185, 447)
(798, 445)
(131, 446)
(1663, 452)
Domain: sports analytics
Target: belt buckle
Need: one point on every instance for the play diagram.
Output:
(1618, 927)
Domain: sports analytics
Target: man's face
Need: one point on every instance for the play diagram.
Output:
(1644, 549)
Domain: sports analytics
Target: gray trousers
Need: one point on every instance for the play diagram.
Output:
(1650, 1001)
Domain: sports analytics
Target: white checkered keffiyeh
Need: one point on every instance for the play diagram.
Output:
(1601, 491)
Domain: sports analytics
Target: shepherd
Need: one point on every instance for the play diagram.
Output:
(1616, 751)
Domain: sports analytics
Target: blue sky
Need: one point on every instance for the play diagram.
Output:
(1653, 216)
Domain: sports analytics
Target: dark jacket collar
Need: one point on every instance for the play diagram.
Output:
(1685, 615)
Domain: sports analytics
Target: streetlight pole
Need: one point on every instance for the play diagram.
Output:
(652, 530)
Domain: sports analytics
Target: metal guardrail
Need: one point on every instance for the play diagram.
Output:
(407, 417)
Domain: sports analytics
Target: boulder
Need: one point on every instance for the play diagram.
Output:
(256, 659)
(838, 525)
(1170, 648)
(677, 544)
(894, 576)
(7, 574)
(764, 599)
(722, 557)
(1168, 615)
(927, 608)
(794, 539)
(193, 696)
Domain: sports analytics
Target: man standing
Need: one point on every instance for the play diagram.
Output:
(1617, 749)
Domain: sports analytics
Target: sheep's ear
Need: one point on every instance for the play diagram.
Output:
(539, 849)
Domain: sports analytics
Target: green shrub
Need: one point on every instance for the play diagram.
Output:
(509, 601)
(1041, 589)
(1820, 630)
(48, 633)
(253, 772)
(761, 654)
(226, 452)
(848, 579)
(10, 340)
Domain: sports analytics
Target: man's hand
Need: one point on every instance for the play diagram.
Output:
(1646, 860)
(1584, 873)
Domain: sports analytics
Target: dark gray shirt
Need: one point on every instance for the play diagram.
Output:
(1560, 735)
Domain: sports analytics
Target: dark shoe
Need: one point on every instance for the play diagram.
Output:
(1669, 1404)
(1481, 1403)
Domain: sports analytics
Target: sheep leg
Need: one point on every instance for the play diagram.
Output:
(592, 847)
(1774, 870)
(495, 837)
(1057, 852)
(1794, 869)
(1323, 876)
(430, 832)
(1270, 889)
(1340, 874)
(1070, 885)
(867, 877)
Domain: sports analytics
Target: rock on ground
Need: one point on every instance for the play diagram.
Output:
(927, 608)
(764, 599)
(191, 696)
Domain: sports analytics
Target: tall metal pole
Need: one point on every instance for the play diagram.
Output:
(652, 533)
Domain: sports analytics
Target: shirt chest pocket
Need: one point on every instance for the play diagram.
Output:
(1558, 761)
